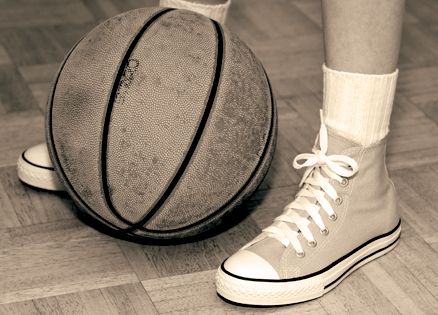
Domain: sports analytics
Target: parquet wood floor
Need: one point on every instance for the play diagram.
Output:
(51, 263)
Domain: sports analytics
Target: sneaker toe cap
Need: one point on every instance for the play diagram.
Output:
(247, 264)
(38, 155)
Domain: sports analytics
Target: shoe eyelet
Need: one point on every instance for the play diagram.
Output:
(324, 231)
(344, 182)
(333, 217)
(338, 201)
(300, 254)
(312, 243)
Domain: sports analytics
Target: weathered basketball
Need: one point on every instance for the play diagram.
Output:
(160, 123)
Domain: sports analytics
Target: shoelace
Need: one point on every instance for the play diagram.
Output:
(314, 186)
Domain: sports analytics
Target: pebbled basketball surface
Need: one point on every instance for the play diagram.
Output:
(160, 123)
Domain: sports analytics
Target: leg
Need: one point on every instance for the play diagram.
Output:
(362, 36)
(345, 212)
(362, 40)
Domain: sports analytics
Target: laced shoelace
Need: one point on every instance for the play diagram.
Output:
(312, 196)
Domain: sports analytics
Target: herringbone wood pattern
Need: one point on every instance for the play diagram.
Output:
(51, 263)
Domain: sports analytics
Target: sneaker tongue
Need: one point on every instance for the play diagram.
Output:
(338, 144)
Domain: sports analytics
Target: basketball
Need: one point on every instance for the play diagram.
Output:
(160, 123)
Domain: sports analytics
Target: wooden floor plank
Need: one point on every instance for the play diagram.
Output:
(31, 45)
(418, 47)
(15, 95)
(311, 8)
(31, 206)
(151, 261)
(101, 9)
(52, 12)
(20, 308)
(419, 83)
(357, 295)
(391, 290)
(4, 57)
(57, 258)
(414, 251)
(123, 299)
(418, 199)
(19, 131)
(397, 282)
(289, 87)
(195, 294)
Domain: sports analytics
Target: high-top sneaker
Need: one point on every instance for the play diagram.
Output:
(343, 216)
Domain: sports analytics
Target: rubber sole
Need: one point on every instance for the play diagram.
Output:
(253, 292)
(37, 176)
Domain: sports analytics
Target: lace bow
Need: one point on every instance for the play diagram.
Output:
(315, 188)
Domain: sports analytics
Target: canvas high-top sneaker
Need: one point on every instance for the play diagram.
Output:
(343, 216)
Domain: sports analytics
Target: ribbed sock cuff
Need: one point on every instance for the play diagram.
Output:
(216, 12)
(359, 105)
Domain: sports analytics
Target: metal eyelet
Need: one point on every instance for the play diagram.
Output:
(301, 254)
(333, 217)
(312, 243)
(344, 182)
(324, 232)
(338, 200)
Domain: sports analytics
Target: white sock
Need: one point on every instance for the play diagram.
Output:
(216, 12)
(358, 105)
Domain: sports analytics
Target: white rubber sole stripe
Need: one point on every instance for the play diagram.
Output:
(37, 176)
(263, 292)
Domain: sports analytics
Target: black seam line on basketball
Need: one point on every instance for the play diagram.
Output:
(70, 186)
(245, 185)
(359, 261)
(55, 153)
(317, 272)
(36, 165)
(196, 138)
(107, 120)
